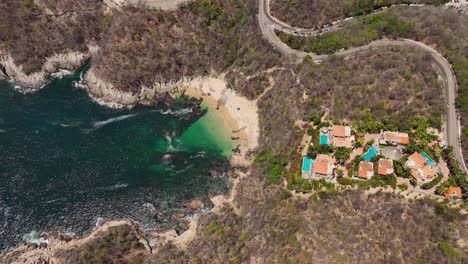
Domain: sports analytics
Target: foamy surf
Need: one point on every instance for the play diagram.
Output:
(179, 112)
(61, 73)
(100, 124)
(34, 238)
(114, 187)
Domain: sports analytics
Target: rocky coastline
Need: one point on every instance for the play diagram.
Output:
(212, 90)
(28, 83)
(106, 94)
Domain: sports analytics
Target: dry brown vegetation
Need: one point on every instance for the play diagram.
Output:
(317, 13)
(141, 47)
(391, 85)
(445, 29)
(147, 46)
(32, 32)
(349, 227)
(119, 244)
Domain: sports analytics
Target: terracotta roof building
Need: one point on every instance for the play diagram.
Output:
(324, 166)
(453, 193)
(416, 160)
(394, 138)
(342, 136)
(420, 169)
(385, 167)
(341, 131)
(366, 170)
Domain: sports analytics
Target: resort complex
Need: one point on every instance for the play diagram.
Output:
(340, 154)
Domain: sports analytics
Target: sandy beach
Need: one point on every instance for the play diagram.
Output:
(241, 117)
(239, 114)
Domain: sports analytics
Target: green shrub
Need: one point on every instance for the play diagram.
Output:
(450, 252)
(342, 154)
(285, 194)
(403, 187)
(272, 165)
(434, 182)
(347, 181)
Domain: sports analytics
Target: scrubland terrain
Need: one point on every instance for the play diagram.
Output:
(317, 13)
(31, 32)
(146, 46)
(349, 227)
(140, 46)
(445, 29)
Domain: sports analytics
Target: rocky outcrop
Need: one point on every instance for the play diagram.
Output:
(105, 93)
(35, 81)
(196, 204)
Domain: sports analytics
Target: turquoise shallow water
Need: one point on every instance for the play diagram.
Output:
(65, 161)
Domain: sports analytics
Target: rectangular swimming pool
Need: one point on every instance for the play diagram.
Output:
(429, 160)
(323, 139)
(372, 152)
(307, 164)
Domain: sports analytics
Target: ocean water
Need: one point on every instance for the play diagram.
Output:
(66, 161)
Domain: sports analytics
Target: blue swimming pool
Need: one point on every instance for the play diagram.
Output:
(323, 139)
(372, 152)
(429, 160)
(307, 164)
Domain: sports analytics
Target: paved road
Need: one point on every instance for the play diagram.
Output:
(268, 25)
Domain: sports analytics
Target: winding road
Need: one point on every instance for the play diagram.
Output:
(269, 24)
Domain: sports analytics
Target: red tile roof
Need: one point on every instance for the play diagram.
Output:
(366, 170)
(339, 131)
(321, 167)
(385, 166)
(397, 137)
(453, 191)
(419, 160)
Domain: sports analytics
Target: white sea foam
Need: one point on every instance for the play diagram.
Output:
(34, 238)
(99, 124)
(179, 112)
(68, 125)
(114, 187)
(73, 124)
(198, 155)
(56, 200)
(61, 73)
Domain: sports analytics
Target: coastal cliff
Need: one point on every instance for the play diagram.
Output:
(144, 55)
(34, 81)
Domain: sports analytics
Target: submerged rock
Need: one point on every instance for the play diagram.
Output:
(151, 208)
(166, 159)
(180, 215)
(196, 204)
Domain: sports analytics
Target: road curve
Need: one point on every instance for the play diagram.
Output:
(268, 25)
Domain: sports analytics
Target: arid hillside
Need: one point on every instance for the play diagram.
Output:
(140, 47)
(317, 13)
(145, 46)
(349, 227)
(444, 29)
(31, 31)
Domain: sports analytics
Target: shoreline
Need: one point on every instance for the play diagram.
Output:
(55, 64)
(239, 115)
